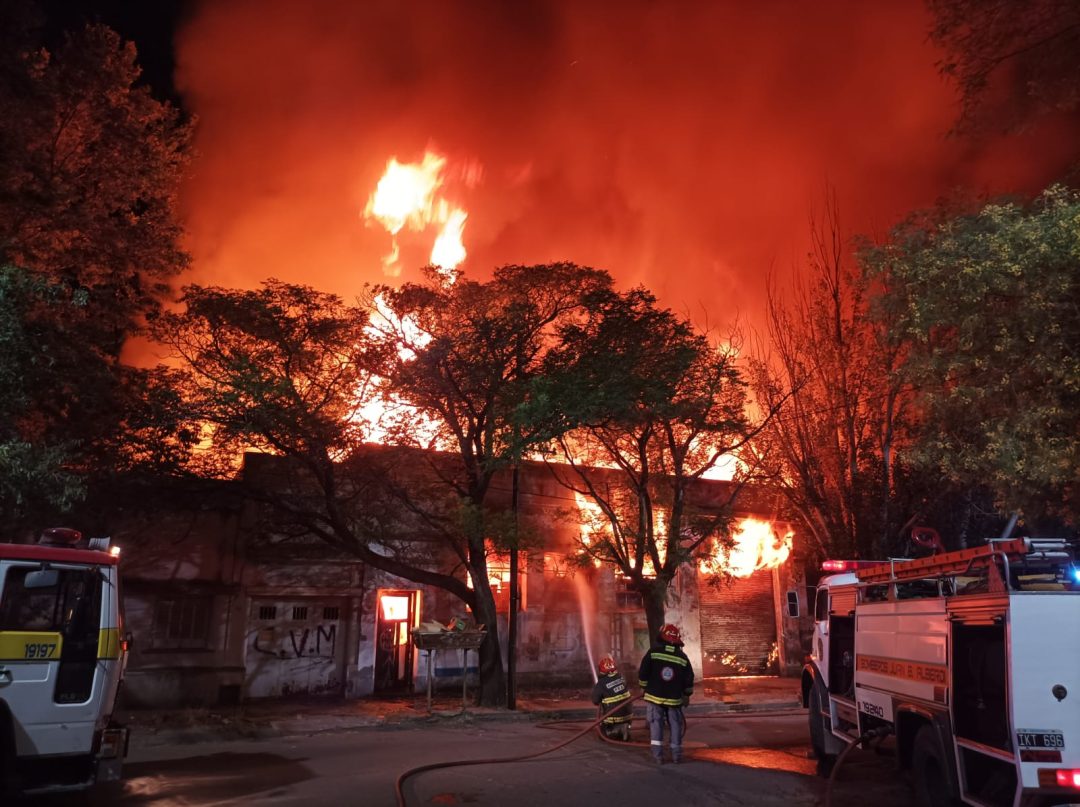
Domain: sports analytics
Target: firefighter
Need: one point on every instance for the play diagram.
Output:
(610, 689)
(668, 681)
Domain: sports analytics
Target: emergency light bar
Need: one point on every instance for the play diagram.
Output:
(60, 536)
(848, 565)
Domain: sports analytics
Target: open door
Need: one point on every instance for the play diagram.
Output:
(399, 612)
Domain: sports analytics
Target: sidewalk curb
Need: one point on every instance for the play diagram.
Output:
(310, 726)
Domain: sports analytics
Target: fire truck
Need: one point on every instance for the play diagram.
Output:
(62, 656)
(970, 660)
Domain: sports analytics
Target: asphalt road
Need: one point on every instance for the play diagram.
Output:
(757, 760)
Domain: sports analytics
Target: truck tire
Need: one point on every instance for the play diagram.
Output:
(825, 761)
(928, 772)
(10, 787)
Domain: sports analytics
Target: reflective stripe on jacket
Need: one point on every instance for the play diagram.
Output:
(666, 675)
(608, 691)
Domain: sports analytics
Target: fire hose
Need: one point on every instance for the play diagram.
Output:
(561, 725)
(399, 785)
(567, 725)
(879, 733)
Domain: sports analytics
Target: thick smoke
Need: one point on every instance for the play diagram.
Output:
(678, 145)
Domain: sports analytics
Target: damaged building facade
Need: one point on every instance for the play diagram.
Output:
(224, 608)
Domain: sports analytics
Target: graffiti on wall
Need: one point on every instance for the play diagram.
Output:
(315, 641)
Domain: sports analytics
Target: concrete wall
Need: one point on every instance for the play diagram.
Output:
(177, 571)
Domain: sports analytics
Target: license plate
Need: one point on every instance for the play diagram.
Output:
(1039, 738)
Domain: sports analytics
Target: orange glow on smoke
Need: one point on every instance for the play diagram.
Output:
(407, 196)
(589, 122)
(757, 546)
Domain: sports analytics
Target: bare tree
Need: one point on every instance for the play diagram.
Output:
(832, 447)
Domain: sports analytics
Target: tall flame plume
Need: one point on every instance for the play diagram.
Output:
(408, 197)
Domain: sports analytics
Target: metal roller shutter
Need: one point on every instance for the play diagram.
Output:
(738, 626)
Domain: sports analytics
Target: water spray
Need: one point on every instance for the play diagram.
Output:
(587, 604)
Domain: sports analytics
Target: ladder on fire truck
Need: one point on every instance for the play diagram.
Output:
(965, 561)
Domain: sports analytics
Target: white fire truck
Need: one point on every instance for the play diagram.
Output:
(61, 660)
(970, 658)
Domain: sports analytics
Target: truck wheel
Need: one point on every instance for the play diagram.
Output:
(9, 778)
(928, 770)
(816, 722)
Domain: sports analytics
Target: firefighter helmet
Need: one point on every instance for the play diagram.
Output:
(671, 634)
(607, 666)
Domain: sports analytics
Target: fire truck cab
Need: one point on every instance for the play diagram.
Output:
(62, 657)
(970, 658)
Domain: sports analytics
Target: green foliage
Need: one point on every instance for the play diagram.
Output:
(282, 370)
(36, 479)
(37, 364)
(635, 389)
(278, 369)
(463, 354)
(988, 302)
(1011, 60)
(621, 365)
(89, 167)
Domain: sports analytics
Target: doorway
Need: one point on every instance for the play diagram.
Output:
(394, 652)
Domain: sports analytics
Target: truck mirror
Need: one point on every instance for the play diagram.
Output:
(793, 604)
(42, 578)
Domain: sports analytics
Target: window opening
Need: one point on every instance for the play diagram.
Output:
(182, 623)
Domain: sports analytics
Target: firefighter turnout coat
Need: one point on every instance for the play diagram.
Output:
(666, 675)
(609, 691)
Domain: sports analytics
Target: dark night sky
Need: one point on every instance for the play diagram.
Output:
(676, 144)
(150, 24)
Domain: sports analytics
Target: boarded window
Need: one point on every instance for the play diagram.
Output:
(626, 599)
(182, 623)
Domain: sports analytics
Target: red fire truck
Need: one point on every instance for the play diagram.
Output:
(62, 656)
(971, 659)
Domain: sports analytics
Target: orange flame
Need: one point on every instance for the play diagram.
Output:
(449, 250)
(407, 196)
(593, 522)
(757, 546)
(378, 404)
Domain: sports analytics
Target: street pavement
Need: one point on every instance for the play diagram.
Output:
(733, 759)
(746, 745)
(283, 717)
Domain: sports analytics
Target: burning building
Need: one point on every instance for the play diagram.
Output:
(224, 606)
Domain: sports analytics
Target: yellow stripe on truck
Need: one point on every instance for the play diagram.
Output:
(108, 645)
(21, 645)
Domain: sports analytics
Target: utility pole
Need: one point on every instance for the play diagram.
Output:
(515, 597)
